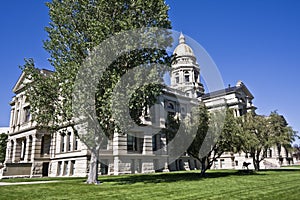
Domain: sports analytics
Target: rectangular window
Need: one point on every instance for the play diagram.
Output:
(131, 143)
(222, 163)
(217, 164)
(69, 141)
(187, 78)
(72, 168)
(27, 115)
(76, 144)
(66, 168)
(17, 117)
(43, 145)
(104, 167)
(59, 168)
(156, 142)
(62, 143)
(177, 79)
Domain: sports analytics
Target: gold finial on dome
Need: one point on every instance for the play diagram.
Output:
(181, 39)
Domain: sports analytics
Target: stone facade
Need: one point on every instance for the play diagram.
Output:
(33, 152)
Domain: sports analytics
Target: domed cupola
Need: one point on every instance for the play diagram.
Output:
(183, 49)
(185, 73)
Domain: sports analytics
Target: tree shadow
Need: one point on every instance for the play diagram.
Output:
(174, 177)
(281, 170)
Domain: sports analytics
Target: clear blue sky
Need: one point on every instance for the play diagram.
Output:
(256, 41)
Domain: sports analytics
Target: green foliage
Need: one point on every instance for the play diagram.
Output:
(3, 143)
(256, 137)
(75, 30)
(217, 132)
(260, 133)
(283, 134)
(201, 124)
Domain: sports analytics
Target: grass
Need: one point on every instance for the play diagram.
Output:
(277, 184)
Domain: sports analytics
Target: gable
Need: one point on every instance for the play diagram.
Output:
(244, 90)
(22, 81)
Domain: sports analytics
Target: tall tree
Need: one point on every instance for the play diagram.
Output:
(256, 138)
(296, 152)
(260, 133)
(284, 135)
(216, 133)
(76, 28)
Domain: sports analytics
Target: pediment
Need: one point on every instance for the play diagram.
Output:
(21, 83)
(246, 92)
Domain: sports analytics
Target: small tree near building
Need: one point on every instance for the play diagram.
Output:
(3, 143)
(216, 133)
(260, 133)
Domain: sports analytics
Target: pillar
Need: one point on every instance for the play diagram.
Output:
(14, 150)
(22, 155)
(119, 148)
(147, 145)
(33, 148)
(27, 149)
(8, 157)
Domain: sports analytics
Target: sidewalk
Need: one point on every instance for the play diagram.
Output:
(26, 183)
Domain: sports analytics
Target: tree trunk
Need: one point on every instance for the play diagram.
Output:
(93, 172)
(203, 167)
(256, 163)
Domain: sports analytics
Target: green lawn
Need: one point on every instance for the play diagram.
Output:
(278, 184)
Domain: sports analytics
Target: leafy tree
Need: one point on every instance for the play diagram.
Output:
(3, 143)
(283, 134)
(216, 133)
(77, 27)
(200, 123)
(256, 138)
(260, 133)
(296, 153)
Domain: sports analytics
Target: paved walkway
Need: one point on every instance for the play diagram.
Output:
(26, 183)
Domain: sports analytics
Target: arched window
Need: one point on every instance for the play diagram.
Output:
(186, 76)
(176, 78)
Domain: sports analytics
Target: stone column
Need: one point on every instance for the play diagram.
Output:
(23, 149)
(65, 146)
(147, 145)
(27, 149)
(8, 158)
(14, 151)
(162, 113)
(21, 117)
(58, 143)
(119, 148)
(53, 145)
(68, 136)
(20, 110)
(12, 115)
(72, 139)
(33, 147)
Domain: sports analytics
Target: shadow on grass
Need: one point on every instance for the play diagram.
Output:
(174, 177)
(280, 170)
